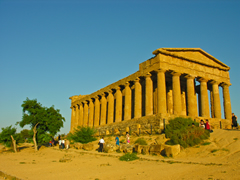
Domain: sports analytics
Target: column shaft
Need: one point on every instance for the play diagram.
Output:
(138, 99)
(81, 114)
(110, 107)
(227, 102)
(176, 88)
(72, 118)
(161, 92)
(204, 98)
(103, 110)
(118, 113)
(91, 113)
(85, 114)
(149, 95)
(128, 102)
(191, 101)
(97, 111)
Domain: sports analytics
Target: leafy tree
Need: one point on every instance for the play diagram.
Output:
(83, 135)
(185, 131)
(5, 135)
(25, 135)
(45, 122)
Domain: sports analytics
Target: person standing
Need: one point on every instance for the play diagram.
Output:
(127, 138)
(234, 120)
(117, 140)
(63, 144)
(101, 144)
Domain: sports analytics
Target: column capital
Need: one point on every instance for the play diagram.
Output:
(137, 79)
(188, 76)
(161, 70)
(148, 75)
(225, 84)
(214, 82)
(201, 79)
(127, 84)
(174, 73)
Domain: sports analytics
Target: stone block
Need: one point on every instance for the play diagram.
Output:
(88, 147)
(172, 150)
(156, 149)
(78, 145)
(126, 148)
(160, 139)
(141, 149)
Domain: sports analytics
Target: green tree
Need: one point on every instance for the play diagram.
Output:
(5, 135)
(44, 122)
(83, 135)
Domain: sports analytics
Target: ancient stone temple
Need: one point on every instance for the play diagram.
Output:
(175, 82)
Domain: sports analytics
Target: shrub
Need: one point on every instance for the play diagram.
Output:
(141, 141)
(83, 135)
(5, 136)
(129, 157)
(181, 131)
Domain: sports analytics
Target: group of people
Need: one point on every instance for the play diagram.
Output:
(205, 125)
(63, 143)
(102, 142)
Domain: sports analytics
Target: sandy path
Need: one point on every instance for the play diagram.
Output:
(192, 163)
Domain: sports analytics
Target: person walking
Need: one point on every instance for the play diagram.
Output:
(101, 144)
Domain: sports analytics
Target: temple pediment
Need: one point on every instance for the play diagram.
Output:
(196, 55)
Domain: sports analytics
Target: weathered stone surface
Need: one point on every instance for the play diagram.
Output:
(172, 150)
(78, 145)
(160, 139)
(142, 149)
(88, 147)
(126, 148)
(156, 149)
(108, 148)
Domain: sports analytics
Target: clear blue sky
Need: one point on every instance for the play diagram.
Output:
(51, 50)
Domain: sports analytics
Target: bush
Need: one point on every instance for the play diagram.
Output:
(129, 157)
(181, 131)
(83, 135)
(141, 141)
(5, 136)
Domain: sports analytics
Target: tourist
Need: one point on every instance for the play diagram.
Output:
(67, 144)
(207, 126)
(101, 144)
(201, 124)
(117, 140)
(234, 121)
(127, 138)
(63, 144)
(50, 143)
(60, 143)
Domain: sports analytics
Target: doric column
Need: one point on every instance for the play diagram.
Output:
(97, 111)
(138, 99)
(85, 113)
(110, 107)
(149, 95)
(183, 100)
(72, 118)
(128, 102)
(77, 116)
(177, 108)
(80, 114)
(204, 97)
(103, 109)
(169, 99)
(191, 100)
(226, 101)
(91, 113)
(216, 100)
(118, 113)
(161, 91)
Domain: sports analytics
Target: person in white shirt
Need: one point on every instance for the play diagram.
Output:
(101, 143)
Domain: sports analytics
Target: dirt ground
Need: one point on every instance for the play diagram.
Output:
(220, 159)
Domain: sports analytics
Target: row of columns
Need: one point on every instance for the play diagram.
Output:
(96, 113)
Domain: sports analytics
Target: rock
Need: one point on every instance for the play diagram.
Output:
(142, 149)
(126, 148)
(108, 148)
(160, 139)
(88, 147)
(156, 149)
(78, 145)
(172, 150)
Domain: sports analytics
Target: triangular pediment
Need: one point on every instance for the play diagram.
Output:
(196, 55)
